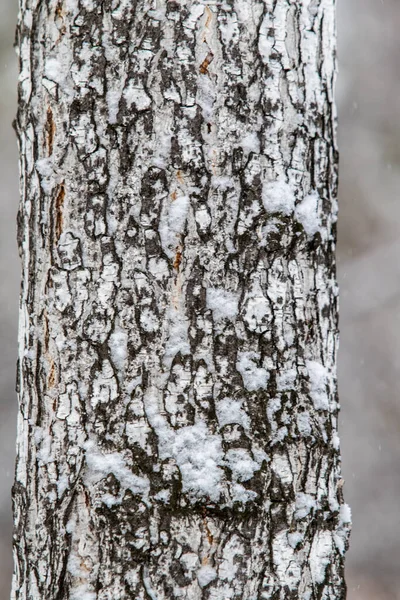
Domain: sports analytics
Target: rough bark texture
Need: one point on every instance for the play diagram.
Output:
(178, 332)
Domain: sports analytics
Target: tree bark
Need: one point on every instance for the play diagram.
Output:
(177, 432)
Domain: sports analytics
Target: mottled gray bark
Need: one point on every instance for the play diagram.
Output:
(178, 332)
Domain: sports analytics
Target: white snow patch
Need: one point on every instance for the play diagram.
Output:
(177, 335)
(251, 143)
(163, 128)
(229, 30)
(119, 8)
(42, 438)
(320, 555)
(203, 218)
(147, 584)
(64, 406)
(163, 496)
(159, 14)
(190, 560)
(223, 304)
(281, 466)
(241, 464)
(172, 94)
(259, 455)
(265, 42)
(295, 538)
(257, 313)
(304, 423)
(62, 485)
(240, 494)
(335, 440)
(46, 170)
(198, 454)
(272, 407)
(318, 382)
(340, 542)
(287, 568)
(158, 267)
(342, 533)
(222, 182)
(100, 465)
(30, 354)
(173, 224)
(278, 197)
(137, 96)
(307, 214)
(286, 380)
(148, 320)
(132, 577)
(54, 71)
(196, 12)
(206, 96)
(72, 6)
(254, 377)
(81, 592)
(305, 503)
(206, 575)
(280, 435)
(137, 432)
(245, 12)
(118, 346)
(231, 411)
(228, 566)
(113, 99)
(71, 525)
(105, 387)
(80, 565)
(88, 5)
(345, 514)
(45, 167)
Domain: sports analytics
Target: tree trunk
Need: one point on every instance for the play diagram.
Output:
(177, 431)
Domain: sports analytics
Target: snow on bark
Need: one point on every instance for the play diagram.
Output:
(178, 323)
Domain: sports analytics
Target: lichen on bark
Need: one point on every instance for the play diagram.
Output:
(177, 432)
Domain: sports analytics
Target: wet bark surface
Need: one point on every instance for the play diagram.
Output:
(178, 324)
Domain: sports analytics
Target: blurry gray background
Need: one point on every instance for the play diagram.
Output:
(368, 96)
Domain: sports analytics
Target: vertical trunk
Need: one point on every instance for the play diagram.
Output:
(178, 331)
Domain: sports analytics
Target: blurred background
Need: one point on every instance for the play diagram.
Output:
(368, 95)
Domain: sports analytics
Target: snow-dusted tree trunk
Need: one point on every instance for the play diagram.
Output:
(177, 431)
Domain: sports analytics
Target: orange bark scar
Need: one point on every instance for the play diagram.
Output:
(178, 258)
(51, 381)
(59, 210)
(205, 64)
(210, 537)
(59, 19)
(209, 17)
(46, 332)
(50, 130)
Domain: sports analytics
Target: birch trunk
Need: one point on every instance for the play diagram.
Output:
(177, 431)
